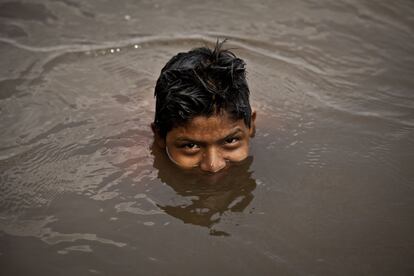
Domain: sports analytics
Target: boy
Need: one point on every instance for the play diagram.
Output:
(203, 116)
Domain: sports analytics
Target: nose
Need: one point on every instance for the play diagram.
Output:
(212, 161)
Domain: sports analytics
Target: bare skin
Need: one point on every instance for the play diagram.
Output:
(210, 143)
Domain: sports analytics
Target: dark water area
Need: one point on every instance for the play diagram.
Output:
(328, 188)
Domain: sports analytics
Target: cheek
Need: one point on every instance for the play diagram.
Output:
(238, 154)
(183, 160)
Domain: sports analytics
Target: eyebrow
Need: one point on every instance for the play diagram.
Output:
(187, 139)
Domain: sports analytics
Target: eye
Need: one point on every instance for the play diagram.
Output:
(232, 140)
(190, 146)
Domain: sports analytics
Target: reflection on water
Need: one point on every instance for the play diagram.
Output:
(328, 189)
(203, 198)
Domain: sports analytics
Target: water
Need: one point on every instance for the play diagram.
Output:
(329, 186)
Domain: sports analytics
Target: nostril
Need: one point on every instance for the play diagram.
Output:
(213, 166)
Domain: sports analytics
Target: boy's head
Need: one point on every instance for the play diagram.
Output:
(203, 115)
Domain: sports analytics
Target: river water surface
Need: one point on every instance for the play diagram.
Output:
(327, 190)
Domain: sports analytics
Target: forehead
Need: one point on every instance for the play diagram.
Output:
(212, 128)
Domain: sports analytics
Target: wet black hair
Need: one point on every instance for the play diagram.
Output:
(201, 82)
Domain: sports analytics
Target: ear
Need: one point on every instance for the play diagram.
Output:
(157, 137)
(252, 130)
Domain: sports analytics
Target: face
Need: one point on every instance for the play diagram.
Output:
(210, 143)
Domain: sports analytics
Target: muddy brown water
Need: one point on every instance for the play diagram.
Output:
(328, 188)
